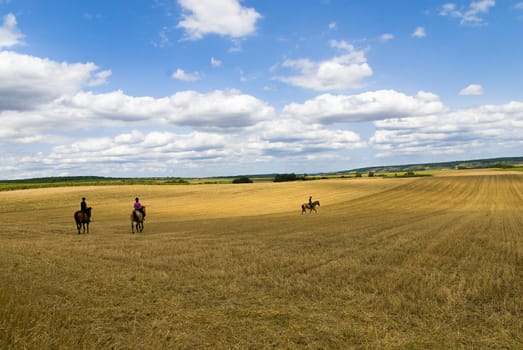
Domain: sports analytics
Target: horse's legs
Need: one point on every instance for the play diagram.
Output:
(87, 227)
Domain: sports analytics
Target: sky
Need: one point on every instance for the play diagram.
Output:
(199, 88)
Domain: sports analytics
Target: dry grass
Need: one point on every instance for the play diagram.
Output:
(391, 264)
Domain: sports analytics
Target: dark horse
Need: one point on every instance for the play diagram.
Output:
(82, 219)
(311, 207)
(137, 217)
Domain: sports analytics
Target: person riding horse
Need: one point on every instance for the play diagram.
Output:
(84, 208)
(82, 217)
(138, 206)
(310, 205)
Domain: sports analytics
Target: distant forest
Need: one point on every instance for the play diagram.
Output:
(508, 162)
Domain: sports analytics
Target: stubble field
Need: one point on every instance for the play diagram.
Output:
(432, 263)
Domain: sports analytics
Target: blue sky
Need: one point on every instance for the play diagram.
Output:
(198, 88)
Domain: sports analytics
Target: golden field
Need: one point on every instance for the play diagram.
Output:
(410, 263)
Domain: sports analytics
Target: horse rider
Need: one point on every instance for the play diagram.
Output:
(310, 201)
(83, 208)
(138, 206)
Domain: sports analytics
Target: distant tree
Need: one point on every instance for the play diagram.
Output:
(358, 175)
(501, 166)
(371, 174)
(242, 180)
(285, 177)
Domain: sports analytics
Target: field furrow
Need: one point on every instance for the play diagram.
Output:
(431, 262)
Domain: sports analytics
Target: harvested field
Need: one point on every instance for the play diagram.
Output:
(385, 264)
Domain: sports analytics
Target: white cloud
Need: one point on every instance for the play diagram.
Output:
(215, 62)
(461, 131)
(190, 77)
(225, 17)
(419, 32)
(341, 72)
(10, 35)
(472, 89)
(291, 137)
(375, 105)
(386, 37)
(218, 110)
(519, 6)
(27, 81)
(134, 146)
(114, 106)
(100, 78)
(472, 15)
(162, 151)
(332, 25)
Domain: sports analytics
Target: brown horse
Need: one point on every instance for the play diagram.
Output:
(137, 217)
(311, 207)
(82, 219)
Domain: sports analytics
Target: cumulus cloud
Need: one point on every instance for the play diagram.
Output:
(217, 110)
(291, 137)
(419, 33)
(162, 151)
(451, 132)
(134, 152)
(99, 78)
(38, 95)
(374, 105)
(10, 35)
(27, 81)
(180, 74)
(472, 89)
(225, 17)
(137, 146)
(470, 16)
(339, 73)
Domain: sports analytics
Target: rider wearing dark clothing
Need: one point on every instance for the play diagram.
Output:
(310, 201)
(84, 209)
